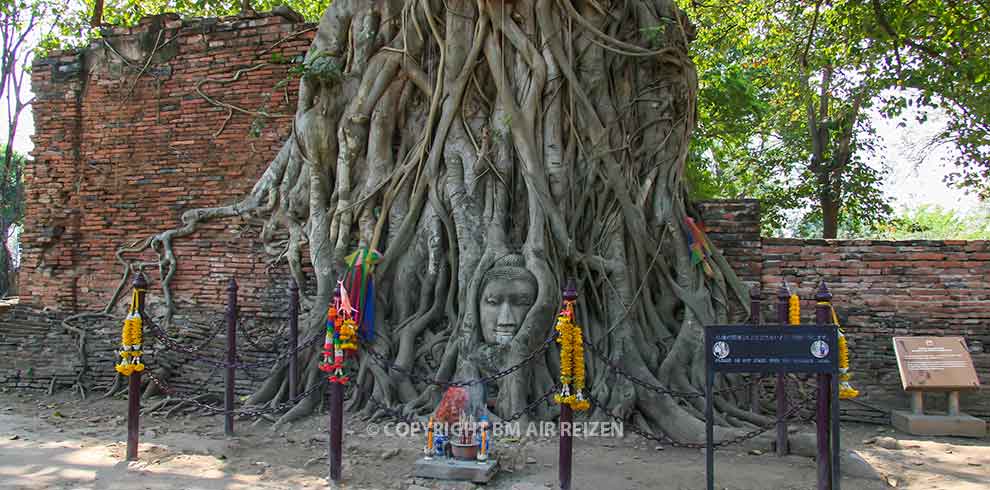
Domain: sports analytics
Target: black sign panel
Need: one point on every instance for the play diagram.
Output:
(772, 348)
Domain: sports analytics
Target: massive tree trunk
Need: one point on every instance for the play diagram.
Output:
(492, 149)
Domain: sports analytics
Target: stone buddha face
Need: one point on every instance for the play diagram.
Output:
(508, 292)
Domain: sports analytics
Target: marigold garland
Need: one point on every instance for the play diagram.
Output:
(794, 310)
(846, 390)
(341, 336)
(130, 339)
(572, 375)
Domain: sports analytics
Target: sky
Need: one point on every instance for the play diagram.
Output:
(918, 172)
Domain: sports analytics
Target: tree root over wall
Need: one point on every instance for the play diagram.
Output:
(450, 135)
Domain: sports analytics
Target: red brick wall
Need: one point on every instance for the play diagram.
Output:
(119, 156)
(880, 289)
(884, 289)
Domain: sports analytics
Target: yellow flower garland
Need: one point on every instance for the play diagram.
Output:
(348, 335)
(846, 390)
(130, 340)
(794, 310)
(571, 341)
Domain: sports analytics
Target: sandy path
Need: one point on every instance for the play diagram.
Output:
(50, 443)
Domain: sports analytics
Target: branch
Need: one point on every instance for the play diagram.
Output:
(889, 29)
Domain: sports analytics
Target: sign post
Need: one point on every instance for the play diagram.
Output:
(775, 349)
(936, 364)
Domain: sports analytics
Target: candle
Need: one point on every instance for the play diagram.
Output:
(429, 437)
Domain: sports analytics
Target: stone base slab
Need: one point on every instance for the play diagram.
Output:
(457, 470)
(961, 425)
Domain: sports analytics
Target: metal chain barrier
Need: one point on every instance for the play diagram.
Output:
(306, 344)
(388, 365)
(391, 412)
(173, 345)
(660, 389)
(254, 343)
(529, 408)
(168, 390)
(409, 419)
(666, 439)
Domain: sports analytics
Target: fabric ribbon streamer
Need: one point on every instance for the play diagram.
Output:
(698, 245)
(359, 279)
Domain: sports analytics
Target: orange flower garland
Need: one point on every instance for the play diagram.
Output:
(572, 375)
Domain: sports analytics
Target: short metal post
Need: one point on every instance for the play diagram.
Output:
(293, 336)
(134, 384)
(566, 446)
(565, 451)
(917, 403)
(824, 398)
(783, 298)
(755, 318)
(709, 423)
(228, 402)
(953, 403)
(336, 426)
(836, 440)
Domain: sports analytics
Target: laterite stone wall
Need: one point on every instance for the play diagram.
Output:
(142, 125)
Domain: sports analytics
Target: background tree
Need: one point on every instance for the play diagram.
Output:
(927, 222)
(19, 21)
(11, 211)
(801, 76)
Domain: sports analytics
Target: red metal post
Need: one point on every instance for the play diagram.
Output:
(822, 421)
(134, 385)
(228, 401)
(783, 297)
(565, 451)
(293, 336)
(336, 430)
(566, 446)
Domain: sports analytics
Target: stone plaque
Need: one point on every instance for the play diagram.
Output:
(935, 363)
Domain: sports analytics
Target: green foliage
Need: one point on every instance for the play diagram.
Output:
(71, 28)
(928, 222)
(762, 63)
(11, 189)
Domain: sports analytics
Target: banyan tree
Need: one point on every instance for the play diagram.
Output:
(492, 150)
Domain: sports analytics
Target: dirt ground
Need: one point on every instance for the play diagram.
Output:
(60, 443)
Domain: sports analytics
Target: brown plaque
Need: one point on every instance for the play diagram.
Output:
(935, 364)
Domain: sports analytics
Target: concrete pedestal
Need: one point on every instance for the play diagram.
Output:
(961, 425)
(457, 470)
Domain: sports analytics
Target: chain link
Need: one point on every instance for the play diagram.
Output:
(660, 389)
(242, 327)
(173, 345)
(388, 365)
(391, 412)
(666, 439)
(529, 408)
(168, 390)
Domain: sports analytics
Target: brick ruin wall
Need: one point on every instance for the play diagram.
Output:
(142, 125)
(881, 289)
(119, 157)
